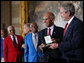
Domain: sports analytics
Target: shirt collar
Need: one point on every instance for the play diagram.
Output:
(70, 20)
(34, 34)
(12, 36)
(51, 27)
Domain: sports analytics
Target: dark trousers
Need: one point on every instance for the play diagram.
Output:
(50, 56)
(47, 58)
(18, 60)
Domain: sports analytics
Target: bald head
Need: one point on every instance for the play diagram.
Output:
(50, 15)
(49, 19)
(11, 30)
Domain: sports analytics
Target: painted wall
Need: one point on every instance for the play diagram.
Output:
(10, 12)
(38, 8)
(16, 15)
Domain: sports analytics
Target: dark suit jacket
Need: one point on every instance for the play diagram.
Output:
(9, 50)
(72, 41)
(57, 34)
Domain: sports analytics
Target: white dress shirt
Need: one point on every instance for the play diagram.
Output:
(52, 28)
(15, 38)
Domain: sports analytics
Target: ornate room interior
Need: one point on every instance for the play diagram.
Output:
(17, 13)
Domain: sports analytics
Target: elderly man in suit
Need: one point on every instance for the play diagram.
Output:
(12, 46)
(31, 53)
(71, 46)
(55, 32)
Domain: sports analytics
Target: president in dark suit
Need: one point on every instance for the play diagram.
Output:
(55, 32)
(71, 46)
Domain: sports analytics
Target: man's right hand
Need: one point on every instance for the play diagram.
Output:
(23, 46)
(41, 47)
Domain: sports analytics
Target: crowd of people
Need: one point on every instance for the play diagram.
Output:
(66, 45)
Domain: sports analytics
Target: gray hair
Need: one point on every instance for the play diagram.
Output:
(10, 26)
(69, 7)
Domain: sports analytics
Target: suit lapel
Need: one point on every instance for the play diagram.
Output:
(18, 41)
(45, 32)
(11, 42)
(70, 26)
(53, 31)
(54, 34)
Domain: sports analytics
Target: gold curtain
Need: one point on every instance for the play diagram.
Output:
(23, 16)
